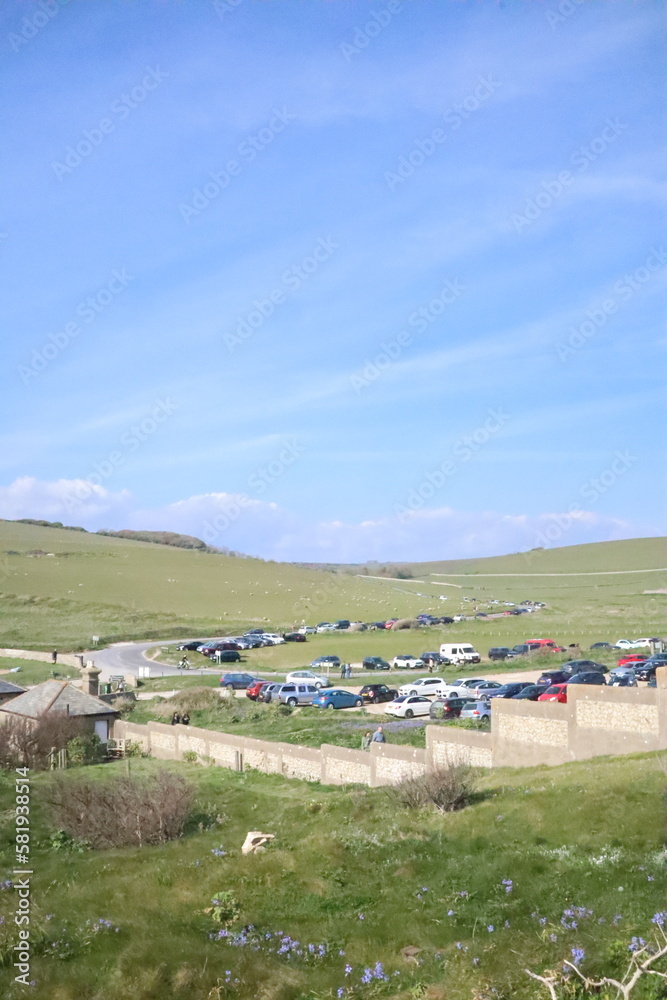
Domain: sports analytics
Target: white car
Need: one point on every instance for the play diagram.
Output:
(272, 637)
(459, 618)
(307, 630)
(326, 627)
(308, 677)
(631, 643)
(407, 706)
(407, 663)
(425, 686)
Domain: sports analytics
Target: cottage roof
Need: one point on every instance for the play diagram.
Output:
(7, 688)
(58, 697)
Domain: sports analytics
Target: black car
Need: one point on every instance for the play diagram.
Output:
(531, 692)
(325, 661)
(499, 653)
(376, 693)
(446, 708)
(554, 677)
(255, 631)
(588, 677)
(342, 623)
(294, 637)
(433, 658)
(446, 620)
(522, 648)
(509, 690)
(239, 682)
(374, 663)
(576, 666)
(191, 645)
(226, 656)
(644, 670)
(602, 645)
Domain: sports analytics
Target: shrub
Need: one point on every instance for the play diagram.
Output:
(447, 788)
(190, 757)
(24, 743)
(405, 623)
(123, 810)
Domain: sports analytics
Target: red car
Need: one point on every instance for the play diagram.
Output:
(253, 690)
(547, 644)
(631, 658)
(557, 692)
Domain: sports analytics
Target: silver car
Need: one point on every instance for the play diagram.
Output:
(480, 711)
(295, 694)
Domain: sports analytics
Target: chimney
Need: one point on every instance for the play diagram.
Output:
(91, 679)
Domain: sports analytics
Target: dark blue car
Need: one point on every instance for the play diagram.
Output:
(336, 698)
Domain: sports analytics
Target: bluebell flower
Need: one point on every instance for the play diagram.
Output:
(490, 928)
(636, 944)
(659, 918)
(578, 955)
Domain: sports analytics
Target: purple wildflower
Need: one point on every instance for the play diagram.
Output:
(636, 944)
(659, 918)
(578, 955)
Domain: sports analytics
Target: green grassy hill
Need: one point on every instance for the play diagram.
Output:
(61, 587)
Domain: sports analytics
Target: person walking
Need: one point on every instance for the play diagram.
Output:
(366, 740)
(378, 736)
(54, 656)
(343, 671)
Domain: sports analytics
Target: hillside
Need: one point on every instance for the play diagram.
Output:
(61, 587)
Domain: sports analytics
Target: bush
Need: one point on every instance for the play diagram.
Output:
(24, 743)
(448, 788)
(121, 811)
(405, 623)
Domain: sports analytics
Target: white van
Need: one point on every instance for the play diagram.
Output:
(459, 652)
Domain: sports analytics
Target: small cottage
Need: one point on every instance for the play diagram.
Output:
(61, 698)
(9, 691)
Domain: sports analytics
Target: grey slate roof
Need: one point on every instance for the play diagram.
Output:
(58, 697)
(7, 688)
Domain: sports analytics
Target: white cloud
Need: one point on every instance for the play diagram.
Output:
(253, 526)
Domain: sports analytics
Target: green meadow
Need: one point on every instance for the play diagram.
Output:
(61, 587)
(352, 879)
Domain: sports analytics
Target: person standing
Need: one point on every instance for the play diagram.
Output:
(366, 740)
(54, 656)
(378, 736)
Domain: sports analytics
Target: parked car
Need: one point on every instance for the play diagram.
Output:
(602, 645)
(622, 677)
(480, 711)
(522, 648)
(433, 658)
(631, 643)
(254, 631)
(499, 653)
(576, 666)
(254, 690)
(332, 662)
(342, 623)
(446, 708)
(550, 677)
(307, 630)
(294, 637)
(484, 689)
(530, 693)
(192, 645)
(425, 686)
(459, 652)
(296, 694)
(374, 663)
(406, 662)
(631, 658)
(337, 698)
(407, 706)
(326, 627)
(588, 677)
(556, 692)
(225, 656)
(543, 643)
(308, 677)
(446, 620)
(644, 670)
(660, 659)
(272, 638)
(237, 682)
(267, 691)
(376, 693)
(509, 690)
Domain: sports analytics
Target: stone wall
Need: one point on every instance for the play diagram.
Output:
(596, 721)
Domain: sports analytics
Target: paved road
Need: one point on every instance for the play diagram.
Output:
(127, 657)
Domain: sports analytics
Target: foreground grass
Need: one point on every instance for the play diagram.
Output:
(353, 871)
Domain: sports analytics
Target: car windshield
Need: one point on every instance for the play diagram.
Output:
(554, 689)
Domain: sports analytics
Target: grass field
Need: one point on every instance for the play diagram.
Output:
(62, 587)
(33, 671)
(355, 872)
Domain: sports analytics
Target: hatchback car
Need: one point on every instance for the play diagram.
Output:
(499, 652)
(194, 644)
(226, 656)
(631, 658)
(601, 645)
(447, 708)
(531, 693)
(554, 677)
(407, 706)
(294, 637)
(337, 698)
(556, 692)
(508, 690)
(622, 677)
(237, 682)
(374, 663)
(254, 690)
(308, 677)
(267, 691)
(576, 666)
(376, 693)
(333, 662)
(433, 658)
(588, 677)
(479, 711)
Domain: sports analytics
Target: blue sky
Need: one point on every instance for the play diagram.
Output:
(335, 280)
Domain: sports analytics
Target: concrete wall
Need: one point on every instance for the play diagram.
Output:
(596, 721)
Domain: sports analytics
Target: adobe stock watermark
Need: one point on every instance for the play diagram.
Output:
(463, 451)
(43, 12)
(247, 151)
(292, 278)
(86, 312)
(420, 319)
(551, 190)
(590, 491)
(364, 35)
(624, 290)
(564, 10)
(120, 110)
(130, 442)
(258, 482)
(454, 117)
